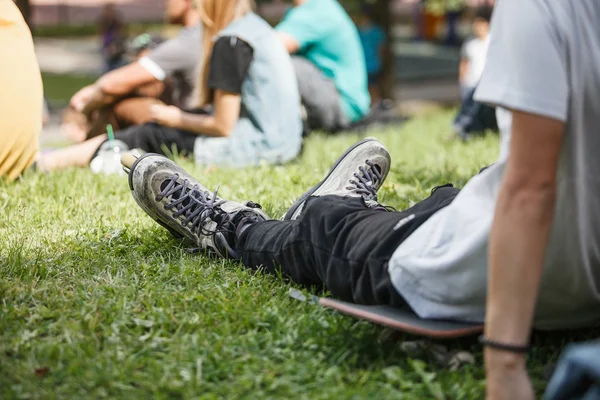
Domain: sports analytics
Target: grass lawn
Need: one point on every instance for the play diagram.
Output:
(98, 301)
(58, 88)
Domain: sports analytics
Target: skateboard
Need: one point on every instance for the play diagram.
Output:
(404, 320)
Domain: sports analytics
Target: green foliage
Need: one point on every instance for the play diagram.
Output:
(98, 301)
(436, 6)
(74, 30)
(442, 6)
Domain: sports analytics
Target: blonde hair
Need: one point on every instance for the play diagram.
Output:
(215, 15)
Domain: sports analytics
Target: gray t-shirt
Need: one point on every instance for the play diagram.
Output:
(178, 59)
(544, 58)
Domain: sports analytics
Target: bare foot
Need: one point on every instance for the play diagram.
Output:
(44, 162)
(77, 155)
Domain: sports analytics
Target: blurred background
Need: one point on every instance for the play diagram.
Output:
(421, 57)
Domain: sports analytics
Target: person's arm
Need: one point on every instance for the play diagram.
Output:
(125, 80)
(171, 56)
(302, 27)
(518, 240)
(111, 86)
(525, 72)
(289, 42)
(227, 110)
(463, 69)
(463, 66)
(229, 65)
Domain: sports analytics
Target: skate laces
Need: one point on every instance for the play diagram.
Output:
(366, 182)
(197, 206)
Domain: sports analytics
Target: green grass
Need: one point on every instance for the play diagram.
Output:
(69, 30)
(58, 88)
(98, 301)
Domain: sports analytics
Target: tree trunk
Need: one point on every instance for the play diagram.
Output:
(386, 19)
(25, 7)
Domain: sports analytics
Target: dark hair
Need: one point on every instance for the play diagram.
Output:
(484, 13)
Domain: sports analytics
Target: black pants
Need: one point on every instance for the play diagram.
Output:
(474, 117)
(154, 138)
(341, 244)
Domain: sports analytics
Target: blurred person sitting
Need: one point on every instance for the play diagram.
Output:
(132, 109)
(329, 63)
(21, 98)
(249, 109)
(474, 52)
(176, 58)
(141, 47)
(474, 117)
(373, 40)
(111, 30)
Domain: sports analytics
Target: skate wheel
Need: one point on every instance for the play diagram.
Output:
(127, 159)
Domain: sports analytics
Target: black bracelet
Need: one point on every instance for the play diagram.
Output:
(503, 346)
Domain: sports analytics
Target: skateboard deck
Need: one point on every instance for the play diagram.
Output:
(404, 320)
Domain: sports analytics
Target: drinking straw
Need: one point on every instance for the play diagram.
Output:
(111, 134)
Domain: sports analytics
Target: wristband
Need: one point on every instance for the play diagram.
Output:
(521, 349)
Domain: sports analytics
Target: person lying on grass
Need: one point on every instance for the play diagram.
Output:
(134, 84)
(518, 247)
(249, 81)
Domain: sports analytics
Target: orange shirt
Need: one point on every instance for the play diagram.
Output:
(21, 94)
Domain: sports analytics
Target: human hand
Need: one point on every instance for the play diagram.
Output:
(507, 377)
(169, 116)
(81, 99)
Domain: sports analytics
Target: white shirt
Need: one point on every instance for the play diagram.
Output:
(504, 121)
(475, 52)
(544, 58)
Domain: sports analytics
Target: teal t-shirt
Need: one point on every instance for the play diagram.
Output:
(328, 38)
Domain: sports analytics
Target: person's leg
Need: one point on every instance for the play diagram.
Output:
(468, 109)
(339, 243)
(125, 113)
(465, 93)
(374, 88)
(319, 97)
(149, 137)
(78, 155)
(135, 110)
(335, 235)
(74, 125)
(154, 138)
(130, 111)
